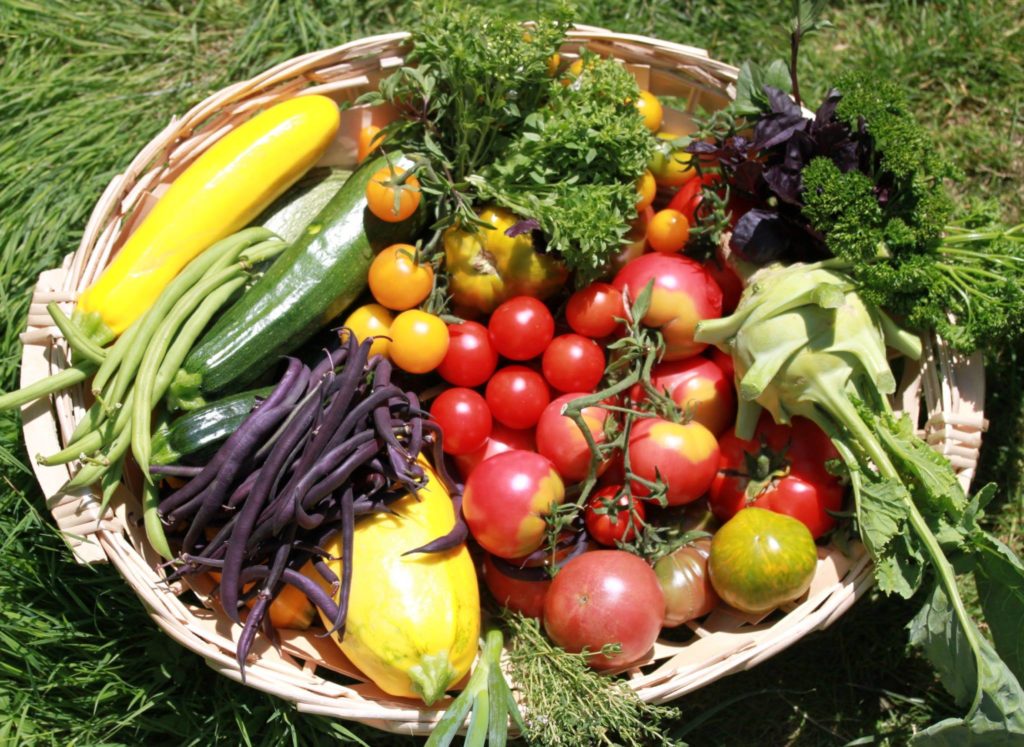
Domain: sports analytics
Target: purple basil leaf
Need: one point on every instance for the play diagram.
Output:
(700, 146)
(785, 183)
(758, 236)
(521, 227)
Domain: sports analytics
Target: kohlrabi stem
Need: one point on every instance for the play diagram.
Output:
(846, 414)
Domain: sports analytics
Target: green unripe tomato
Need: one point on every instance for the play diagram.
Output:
(760, 559)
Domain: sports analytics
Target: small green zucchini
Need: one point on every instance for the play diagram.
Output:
(195, 435)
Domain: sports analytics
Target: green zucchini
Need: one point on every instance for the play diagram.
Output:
(307, 287)
(196, 435)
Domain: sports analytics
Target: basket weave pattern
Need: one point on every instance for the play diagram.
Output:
(943, 394)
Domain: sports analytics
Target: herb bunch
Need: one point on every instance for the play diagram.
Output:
(485, 118)
(861, 182)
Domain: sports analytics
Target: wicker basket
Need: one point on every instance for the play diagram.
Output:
(950, 387)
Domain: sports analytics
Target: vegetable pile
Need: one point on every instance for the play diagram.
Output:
(623, 376)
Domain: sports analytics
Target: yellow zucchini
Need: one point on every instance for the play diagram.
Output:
(413, 621)
(219, 193)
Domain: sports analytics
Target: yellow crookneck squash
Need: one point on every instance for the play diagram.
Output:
(220, 192)
(413, 621)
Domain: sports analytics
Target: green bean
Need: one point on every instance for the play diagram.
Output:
(194, 327)
(74, 374)
(90, 473)
(114, 357)
(200, 304)
(108, 485)
(87, 444)
(213, 260)
(151, 520)
(81, 345)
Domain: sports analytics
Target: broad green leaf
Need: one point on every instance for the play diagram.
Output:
(999, 575)
(973, 673)
(882, 511)
(932, 479)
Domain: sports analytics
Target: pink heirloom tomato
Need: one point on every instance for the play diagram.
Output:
(561, 440)
(502, 439)
(506, 499)
(684, 455)
(684, 294)
(605, 597)
(701, 389)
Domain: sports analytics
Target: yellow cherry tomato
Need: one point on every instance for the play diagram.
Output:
(553, 62)
(371, 320)
(391, 196)
(419, 341)
(397, 280)
(646, 189)
(668, 231)
(671, 166)
(650, 109)
(368, 141)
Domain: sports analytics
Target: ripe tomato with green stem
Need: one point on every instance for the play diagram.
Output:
(782, 469)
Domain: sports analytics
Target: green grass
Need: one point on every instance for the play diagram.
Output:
(86, 84)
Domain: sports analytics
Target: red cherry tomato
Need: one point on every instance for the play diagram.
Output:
(700, 388)
(521, 328)
(464, 418)
(602, 597)
(506, 499)
(561, 440)
(573, 363)
(471, 358)
(781, 469)
(502, 439)
(517, 395)
(613, 515)
(683, 455)
(684, 294)
(594, 311)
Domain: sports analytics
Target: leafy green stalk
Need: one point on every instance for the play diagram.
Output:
(486, 699)
(804, 343)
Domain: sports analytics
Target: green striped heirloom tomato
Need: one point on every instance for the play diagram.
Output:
(683, 455)
(760, 559)
(683, 295)
(506, 500)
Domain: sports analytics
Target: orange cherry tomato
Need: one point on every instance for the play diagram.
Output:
(647, 190)
(392, 196)
(650, 109)
(397, 281)
(419, 341)
(668, 231)
(371, 320)
(368, 141)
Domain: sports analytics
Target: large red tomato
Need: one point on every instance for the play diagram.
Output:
(562, 441)
(700, 388)
(781, 469)
(683, 455)
(605, 597)
(760, 559)
(506, 499)
(684, 294)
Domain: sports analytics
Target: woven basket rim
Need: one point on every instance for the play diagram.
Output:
(951, 385)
